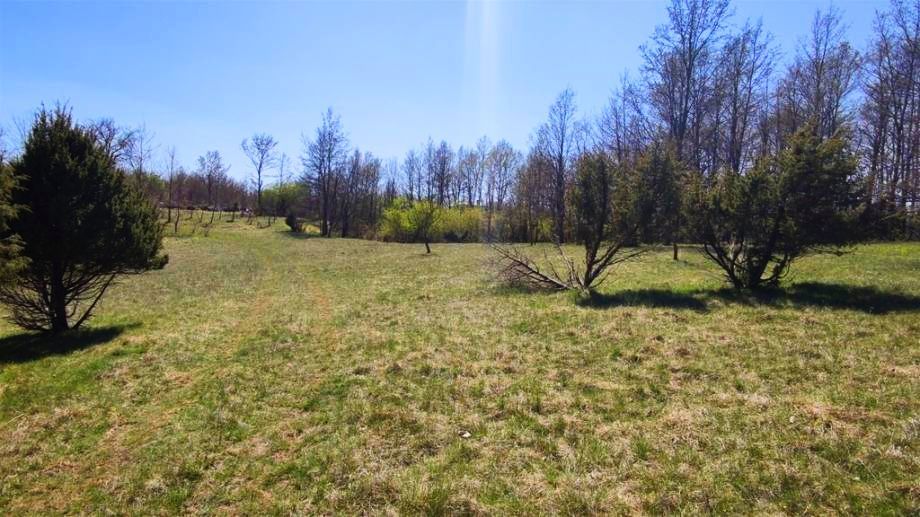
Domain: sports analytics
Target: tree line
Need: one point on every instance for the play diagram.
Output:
(713, 91)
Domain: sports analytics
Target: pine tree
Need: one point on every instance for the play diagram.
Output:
(801, 202)
(81, 226)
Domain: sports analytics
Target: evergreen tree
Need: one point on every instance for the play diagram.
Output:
(11, 260)
(756, 224)
(81, 225)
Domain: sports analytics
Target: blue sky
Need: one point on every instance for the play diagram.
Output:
(203, 76)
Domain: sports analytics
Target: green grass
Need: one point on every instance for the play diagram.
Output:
(265, 372)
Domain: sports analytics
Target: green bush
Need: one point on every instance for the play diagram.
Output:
(755, 225)
(402, 219)
(460, 224)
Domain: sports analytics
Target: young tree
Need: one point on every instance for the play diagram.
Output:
(755, 225)
(610, 205)
(83, 226)
(423, 220)
(261, 152)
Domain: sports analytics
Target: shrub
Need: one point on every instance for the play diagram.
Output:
(294, 223)
(755, 225)
(461, 224)
(610, 204)
(394, 224)
(414, 221)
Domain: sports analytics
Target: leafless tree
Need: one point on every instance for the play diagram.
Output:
(323, 160)
(391, 182)
(467, 163)
(412, 172)
(115, 140)
(172, 170)
(283, 172)
(890, 114)
(478, 174)
(214, 171)
(442, 169)
(624, 127)
(819, 82)
(262, 153)
(744, 69)
(501, 163)
(555, 140)
(678, 63)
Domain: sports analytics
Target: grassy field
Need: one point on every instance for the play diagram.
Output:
(262, 372)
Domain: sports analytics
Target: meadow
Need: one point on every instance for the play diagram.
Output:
(263, 372)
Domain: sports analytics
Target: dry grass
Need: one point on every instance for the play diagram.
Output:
(264, 372)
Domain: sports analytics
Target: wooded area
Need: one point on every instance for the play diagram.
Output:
(712, 89)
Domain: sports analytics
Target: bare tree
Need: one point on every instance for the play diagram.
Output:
(890, 116)
(442, 171)
(283, 174)
(323, 160)
(818, 84)
(478, 174)
(172, 170)
(412, 172)
(555, 140)
(624, 127)
(501, 163)
(114, 140)
(677, 66)
(744, 69)
(261, 152)
(212, 168)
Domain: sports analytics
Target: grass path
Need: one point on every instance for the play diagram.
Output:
(263, 372)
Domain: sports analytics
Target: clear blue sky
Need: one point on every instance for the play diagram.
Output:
(204, 76)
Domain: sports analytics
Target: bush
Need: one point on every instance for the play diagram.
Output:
(461, 224)
(394, 224)
(413, 221)
(294, 223)
(755, 225)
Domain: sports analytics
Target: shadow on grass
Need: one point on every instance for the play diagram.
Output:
(31, 346)
(645, 298)
(300, 235)
(870, 300)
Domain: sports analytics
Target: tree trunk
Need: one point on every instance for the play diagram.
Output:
(58, 305)
(674, 244)
(427, 247)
